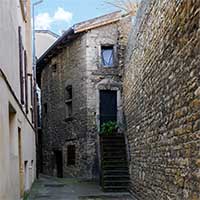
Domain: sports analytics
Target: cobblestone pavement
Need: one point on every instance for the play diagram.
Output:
(50, 188)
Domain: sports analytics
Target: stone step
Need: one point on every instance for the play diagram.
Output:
(114, 179)
(116, 182)
(113, 145)
(115, 176)
(114, 162)
(115, 188)
(105, 140)
(112, 136)
(113, 172)
(114, 153)
(117, 157)
(115, 141)
(113, 148)
(114, 157)
(110, 167)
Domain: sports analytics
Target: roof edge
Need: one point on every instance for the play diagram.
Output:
(47, 31)
(65, 34)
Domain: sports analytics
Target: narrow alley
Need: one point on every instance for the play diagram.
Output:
(100, 100)
(52, 188)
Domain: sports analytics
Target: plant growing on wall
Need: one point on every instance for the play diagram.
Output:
(109, 128)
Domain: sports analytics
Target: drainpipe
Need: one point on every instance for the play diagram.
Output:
(35, 89)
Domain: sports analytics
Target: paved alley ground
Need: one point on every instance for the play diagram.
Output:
(50, 188)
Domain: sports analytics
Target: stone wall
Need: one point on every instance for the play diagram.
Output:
(79, 65)
(162, 100)
(101, 78)
(57, 132)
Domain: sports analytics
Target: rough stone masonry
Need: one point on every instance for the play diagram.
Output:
(77, 63)
(162, 100)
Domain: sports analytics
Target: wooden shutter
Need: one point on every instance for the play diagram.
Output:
(31, 88)
(26, 81)
(71, 155)
(21, 65)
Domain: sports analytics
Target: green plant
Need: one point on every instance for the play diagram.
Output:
(26, 195)
(108, 128)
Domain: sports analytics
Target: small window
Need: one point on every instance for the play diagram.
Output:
(68, 92)
(68, 101)
(54, 68)
(45, 108)
(107, 56)
(71, 155)
(69, 110)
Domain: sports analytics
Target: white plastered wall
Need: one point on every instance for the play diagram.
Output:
(9, 155)
(10, 19)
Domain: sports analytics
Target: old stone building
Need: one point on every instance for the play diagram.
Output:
(162, 100)
(81, 68)
(17, 132)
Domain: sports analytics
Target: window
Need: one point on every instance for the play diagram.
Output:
(107, 56)
(54, 68)
(68, 101)
(12, 118)
(71, 155)
(26, 175)
(45, 108)
(68, 93)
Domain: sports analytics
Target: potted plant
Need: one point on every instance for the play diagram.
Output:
(109, 128)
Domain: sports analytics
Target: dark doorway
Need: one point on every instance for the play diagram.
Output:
(71, 155)
(108, 106)
(59, 163)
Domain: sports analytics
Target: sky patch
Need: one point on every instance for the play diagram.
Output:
(44, 21)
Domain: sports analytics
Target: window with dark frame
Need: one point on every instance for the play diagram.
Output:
(31, 88)
(30, 76)
(54, 68)
(107, 56)
(71, 155)
(68, 101)
(45, 108)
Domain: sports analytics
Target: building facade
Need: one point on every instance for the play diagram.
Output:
(43, 40)
(17, 135)
(80, 70)
(162, 100)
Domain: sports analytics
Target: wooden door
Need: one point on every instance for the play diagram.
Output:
(59, 163)
(108, 106)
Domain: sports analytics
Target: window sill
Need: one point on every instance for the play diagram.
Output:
(68, 101)
(108, 66)
(68, 119)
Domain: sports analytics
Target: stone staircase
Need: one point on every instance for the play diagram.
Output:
(114, 165)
